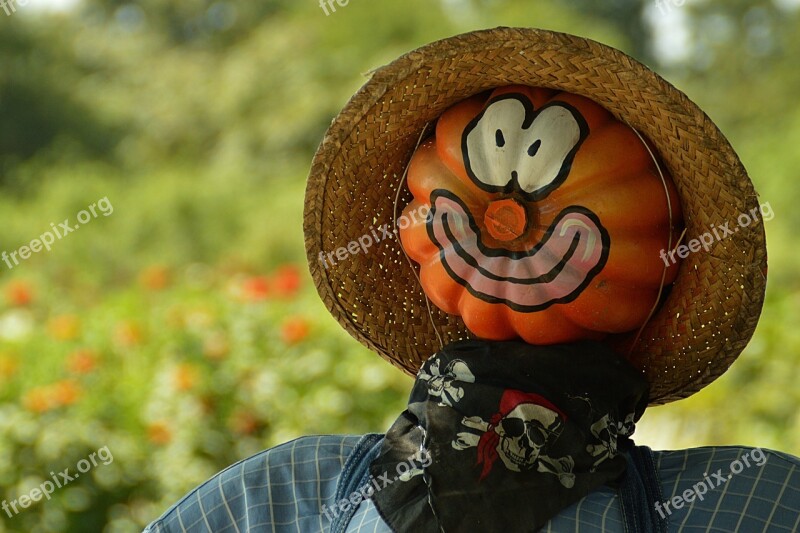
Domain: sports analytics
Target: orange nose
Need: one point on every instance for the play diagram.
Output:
(505, 219)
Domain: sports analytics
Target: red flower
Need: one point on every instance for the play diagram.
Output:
(19, 293)
(255, 289)
(286, 281)
(294, 330)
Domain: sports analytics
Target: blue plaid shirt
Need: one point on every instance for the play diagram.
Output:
(291, 488)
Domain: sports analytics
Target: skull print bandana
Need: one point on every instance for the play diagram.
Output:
(501, 436)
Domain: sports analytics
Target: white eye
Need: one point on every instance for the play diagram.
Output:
(493, 143)
(554, 133)
(510, 146)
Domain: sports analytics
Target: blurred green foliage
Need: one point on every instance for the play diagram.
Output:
(183, 331)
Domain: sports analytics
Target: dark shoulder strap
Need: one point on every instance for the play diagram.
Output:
(353, 480)
(640, 491)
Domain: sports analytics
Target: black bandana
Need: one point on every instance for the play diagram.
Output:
(501, 436)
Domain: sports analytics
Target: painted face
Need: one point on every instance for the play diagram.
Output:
(546, 215)
(523, 154)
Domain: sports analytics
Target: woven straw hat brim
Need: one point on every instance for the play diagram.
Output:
(712, 309)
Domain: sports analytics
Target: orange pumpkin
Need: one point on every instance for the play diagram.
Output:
(537, 215)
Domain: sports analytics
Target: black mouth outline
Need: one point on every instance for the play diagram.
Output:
(605, 241)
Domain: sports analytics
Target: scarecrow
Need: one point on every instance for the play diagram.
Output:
(530, 300)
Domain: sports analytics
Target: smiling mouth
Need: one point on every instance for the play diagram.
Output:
(573, 250)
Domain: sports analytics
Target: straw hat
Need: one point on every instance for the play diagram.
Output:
(358, 173)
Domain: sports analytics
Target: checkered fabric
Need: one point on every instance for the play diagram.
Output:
(282, 490)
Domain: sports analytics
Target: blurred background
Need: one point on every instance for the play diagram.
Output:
(182, 330)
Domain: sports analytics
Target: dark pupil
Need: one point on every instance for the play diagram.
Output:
(499, 139)
(534, 148)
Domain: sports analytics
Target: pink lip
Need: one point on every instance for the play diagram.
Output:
(573, 250)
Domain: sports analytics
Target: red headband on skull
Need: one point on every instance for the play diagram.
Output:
(487, 445)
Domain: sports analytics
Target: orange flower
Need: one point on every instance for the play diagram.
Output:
(255, 289)
(19, 293)
(37, 400)
(47, 397)
(64, 327)
(8, 366)
(155, 277)
(65, 392)
(159, 433)
(294, 330)
(185, 377)
(286, 281)
(81, 361)
(128, 334)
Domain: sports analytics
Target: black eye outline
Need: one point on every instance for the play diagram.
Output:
(534, 148)
(499, 139)
(530, 117)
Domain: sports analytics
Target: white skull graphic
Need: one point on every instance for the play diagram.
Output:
(442, 382)
(523, 433)
(606, 432)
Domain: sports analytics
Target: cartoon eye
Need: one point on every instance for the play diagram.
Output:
(510, 146)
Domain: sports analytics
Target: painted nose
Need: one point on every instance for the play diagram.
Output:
(505, 219)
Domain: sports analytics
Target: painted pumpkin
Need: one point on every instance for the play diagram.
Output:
(545, 218)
